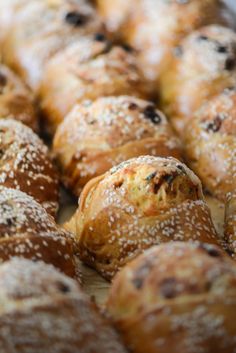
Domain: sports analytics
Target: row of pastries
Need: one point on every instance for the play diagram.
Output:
(136, 101)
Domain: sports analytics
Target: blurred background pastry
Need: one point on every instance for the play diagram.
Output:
(210, 144)
(39, 29)
(203, 68)
(86, 70)
(28, 231)
(45, 311)
(26, 164)
(96, 136)
(176, 297)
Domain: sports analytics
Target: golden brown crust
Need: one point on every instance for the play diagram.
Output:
(205, 66)
(176, 297)
(156, 27)
(140, 203)
(25, 164)
(43, 310)
(34, 37)
(16, 100)
(87, 70)
(97, 136)
(230, 222)
(210, 144)
(27, 230)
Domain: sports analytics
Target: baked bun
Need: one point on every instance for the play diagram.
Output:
(97, 136)
(204, 67)
(43, 310)
(87, 70)
(230, 222)
(25, 164)
(140, 203)
(210, 144)
(42, 28)
(16, 100)
(177, 297)
(156, 27)
(27, 230)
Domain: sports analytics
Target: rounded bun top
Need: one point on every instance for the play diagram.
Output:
(171, 273)
(22, 279)
(151, 184)
(219, 114)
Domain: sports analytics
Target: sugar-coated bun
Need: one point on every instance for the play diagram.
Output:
(210, 144)
(204, 66)
(177, 297)
(27, 230)
(39, 29)
(43, 311)
(230, 222)
(16, 100)
(98, 135)
(87, 70)
(26, 165)
(156, 27)
(141, 202)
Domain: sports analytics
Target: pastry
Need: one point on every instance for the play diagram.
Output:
(140, 203)
(28, 231)
(26, 165)
(177, 297)
(43, 310)
(39, 29)
(96, 136)
(210, 144)
(16, 100)
(87, 70)
(204, 66)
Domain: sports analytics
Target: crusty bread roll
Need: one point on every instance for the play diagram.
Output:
(140, 203)
(39, 29)
(16, 100)
(210, 144)
(27, 230)
(44, 311)
(26, 165)
(176, 298)
(156, 27)
(230, 222)
(98, 135)
(204, 66)
(86, 70)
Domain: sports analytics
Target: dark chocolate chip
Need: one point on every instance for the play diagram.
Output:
(229, 64)
(127, 47)
(3, 79)
(151, 176)
(222, 49)
(168, 288)
(151, 114)
(63, 287)
(212, 251)
(169, 178)
(202, 37)
(214, 125)
(100, 37)
(181, 168)
(133, 106)
(75, 18)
